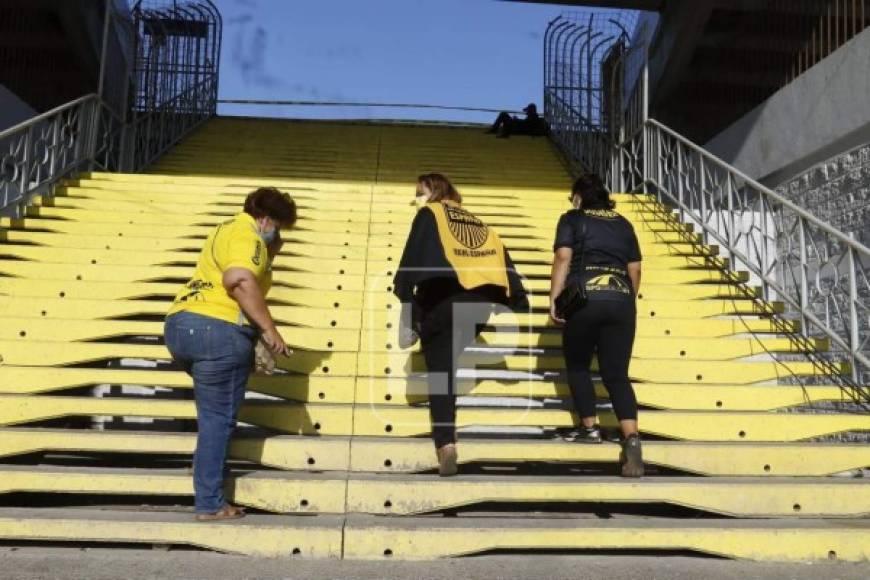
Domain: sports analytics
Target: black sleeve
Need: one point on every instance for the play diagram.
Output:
(634, 246)
(422, 229)
(519, 299)
(564, 232)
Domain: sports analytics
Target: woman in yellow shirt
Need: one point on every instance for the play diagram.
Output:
(213, 326)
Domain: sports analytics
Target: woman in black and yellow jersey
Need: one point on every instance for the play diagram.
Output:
(597, 250)
(213, 326)
(453, 270)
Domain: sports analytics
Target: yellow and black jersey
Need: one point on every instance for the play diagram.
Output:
(449, 247)
(233, 244)
(603, 243)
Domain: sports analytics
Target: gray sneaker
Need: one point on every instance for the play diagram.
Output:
(631, 457)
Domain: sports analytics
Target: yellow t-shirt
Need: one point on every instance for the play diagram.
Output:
(233, 244)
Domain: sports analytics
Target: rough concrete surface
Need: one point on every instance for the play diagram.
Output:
(99, 563)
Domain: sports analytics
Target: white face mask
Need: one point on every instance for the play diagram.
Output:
(576, 201)
(268, 236)
(421, 200)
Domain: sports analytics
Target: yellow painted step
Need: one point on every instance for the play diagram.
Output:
(415, 390)
(93, 310)
(111, 273)
(67, 330)
(395, 421)
(46, 353)
(545, 256)
(17, 380)
(410, 455)
(166, 258)
(383, 282)
(168, 231)
(370, 538)
(272, 491)
(256, 535)
(374, 212)
(746, 497)
(697, 310)
(290, 418)
(86, 290)
(403, 455)
(646, 326)
(157, 220)
(645, 347)
(351, 198)
(294, 246)
(280, 451)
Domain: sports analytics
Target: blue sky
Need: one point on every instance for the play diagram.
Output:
(474, 53)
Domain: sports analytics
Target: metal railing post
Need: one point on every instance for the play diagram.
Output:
(104, 52)
(854, 330)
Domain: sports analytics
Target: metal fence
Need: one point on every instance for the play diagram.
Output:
(143, 107)
(82, 135)
(821, 274)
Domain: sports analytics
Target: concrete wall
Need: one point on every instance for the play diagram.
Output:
(12, 109)
(824, 112)
(837, 191)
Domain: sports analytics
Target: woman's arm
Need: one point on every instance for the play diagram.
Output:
(558, 275)
(634, 276)
(242, 286)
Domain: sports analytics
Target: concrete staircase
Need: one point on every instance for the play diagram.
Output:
(95, 424)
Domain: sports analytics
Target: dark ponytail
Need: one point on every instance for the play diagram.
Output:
(592, 192)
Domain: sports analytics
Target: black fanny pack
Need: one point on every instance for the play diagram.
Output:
(570, 300)
(573, 297)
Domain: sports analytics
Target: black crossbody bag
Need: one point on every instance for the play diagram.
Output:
(573, 297)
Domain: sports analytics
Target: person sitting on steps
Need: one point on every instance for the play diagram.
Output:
(506, 125)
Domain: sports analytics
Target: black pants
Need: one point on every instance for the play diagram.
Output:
(444, 334)
(608, 327)
(504, 124)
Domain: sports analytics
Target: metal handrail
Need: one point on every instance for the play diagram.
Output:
(304, 103)
(90, 134)
(804, 214)
(820, 273)
(782, 292)
(45, 116)
(36, 154)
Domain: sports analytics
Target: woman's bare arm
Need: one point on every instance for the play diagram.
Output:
(242, 286)
(634, 276)
(558, 275)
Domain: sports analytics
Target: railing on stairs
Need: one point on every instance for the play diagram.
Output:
(171, 90)
(820, 273)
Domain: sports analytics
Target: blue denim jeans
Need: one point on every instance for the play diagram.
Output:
(219, 356)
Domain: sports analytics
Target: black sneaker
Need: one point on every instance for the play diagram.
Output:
(631, 457)
(583, 435)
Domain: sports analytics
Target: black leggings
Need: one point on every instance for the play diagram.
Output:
(607, 326)
(443, 342)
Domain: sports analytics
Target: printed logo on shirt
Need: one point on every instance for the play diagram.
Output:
(466, 228)
(608, 283)
(258, 253)
(601, 213)
(195, 288)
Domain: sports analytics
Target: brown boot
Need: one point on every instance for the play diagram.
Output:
(447, 459)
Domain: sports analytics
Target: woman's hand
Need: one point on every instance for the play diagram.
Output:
(275, 342)
(558, 275)
(553, 316)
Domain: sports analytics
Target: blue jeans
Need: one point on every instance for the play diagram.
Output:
(219, 356)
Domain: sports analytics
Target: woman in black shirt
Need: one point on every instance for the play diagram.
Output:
(597, 248)
(453, 270)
